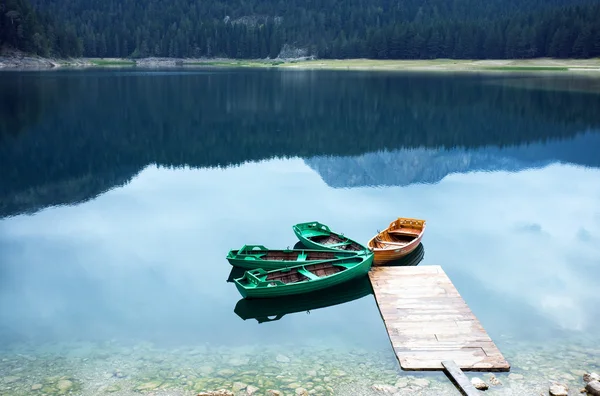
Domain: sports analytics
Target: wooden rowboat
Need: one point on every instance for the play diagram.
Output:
(258, 256)
(401, 237)
(299, 279)
(315, 235)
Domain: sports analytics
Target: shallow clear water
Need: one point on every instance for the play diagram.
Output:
(121, 192)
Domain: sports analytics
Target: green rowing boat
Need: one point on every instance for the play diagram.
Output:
(315, 235)
(258, 256)
(304, 278)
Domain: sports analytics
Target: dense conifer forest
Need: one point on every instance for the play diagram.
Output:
(381, 29)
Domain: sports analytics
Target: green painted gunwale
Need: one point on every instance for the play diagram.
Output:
(254, 284)
(305, 231)
(252, 257)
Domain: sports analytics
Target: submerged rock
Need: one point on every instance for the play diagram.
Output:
(226, 373)
(494, 380)
(273, 392)
(10, 379)
(514, 376)
(250, 390)
(220, 392)
(593, 388)
(401, 383)
(282, 358)
(148, 385)
(36, 387)
(64, 385)
(422, 382)
(478, 383)
(384, 388)
(301, 392)
(559, 390)
(589, 377)
(238, 386)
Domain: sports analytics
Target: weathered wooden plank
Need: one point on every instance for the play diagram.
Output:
(428, 321)
(459, 378)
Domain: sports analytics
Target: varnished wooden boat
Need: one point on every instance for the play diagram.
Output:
(315, 235)
(401, 238)
(299, 279)
(258, 256)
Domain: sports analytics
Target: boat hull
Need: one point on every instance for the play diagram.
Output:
(310, 234)
(414, 229)
(258, 256)
(360, 269)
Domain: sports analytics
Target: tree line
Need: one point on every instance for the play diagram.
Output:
(25, 29)
(381, 29)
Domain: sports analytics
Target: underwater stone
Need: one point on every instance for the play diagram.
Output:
(401, 383)
(206, 370)
(514, 376)
(36, 387)
(301, 392)
(149, 385)
(494, 380)
(250, 390)
(238, 361)
(113, 388)
(559, 390)
(478, 383)
(421, 382)
(238, 386)
(64, 385)
(10, 379)
(384, 388)
(311, 373)
(273, 392)
(220, 392)
(593, 388)
(282, 358)
(226, 373)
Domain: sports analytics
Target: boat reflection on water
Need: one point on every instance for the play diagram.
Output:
(269, 310)
(411, 259)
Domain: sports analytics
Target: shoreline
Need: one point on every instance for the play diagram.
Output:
(538, 65)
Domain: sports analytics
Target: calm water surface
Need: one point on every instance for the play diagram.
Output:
(121, 192)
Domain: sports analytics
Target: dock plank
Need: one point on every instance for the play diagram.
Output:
(428, 322)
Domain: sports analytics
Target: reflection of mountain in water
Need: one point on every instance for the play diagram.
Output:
(423, 165)
(68, 136)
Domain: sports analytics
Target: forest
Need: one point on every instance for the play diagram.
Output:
(379, 29)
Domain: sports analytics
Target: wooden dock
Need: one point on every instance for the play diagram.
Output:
(429, 323)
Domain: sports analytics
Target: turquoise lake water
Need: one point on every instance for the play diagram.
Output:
(122, 190)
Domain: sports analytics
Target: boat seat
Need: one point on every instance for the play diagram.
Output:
(411, 232)
(302, 257)
(308, 274)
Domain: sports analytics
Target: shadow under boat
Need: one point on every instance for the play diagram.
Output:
(269, 310)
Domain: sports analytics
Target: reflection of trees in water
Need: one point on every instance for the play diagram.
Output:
(115, 123)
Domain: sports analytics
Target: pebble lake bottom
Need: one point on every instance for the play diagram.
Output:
(127, 188)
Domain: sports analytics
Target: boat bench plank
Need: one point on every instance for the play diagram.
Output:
(428, 322)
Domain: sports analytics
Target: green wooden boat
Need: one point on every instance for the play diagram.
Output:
(315, 235)
(304, 278)
(266, 310)
(258, 256)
